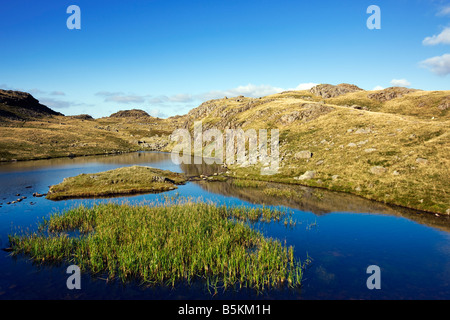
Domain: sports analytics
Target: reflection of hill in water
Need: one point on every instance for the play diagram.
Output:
(320, 202)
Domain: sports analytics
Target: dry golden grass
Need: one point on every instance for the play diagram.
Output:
(126, 180)
(347, 143)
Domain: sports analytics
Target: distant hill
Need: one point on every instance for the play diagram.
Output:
(134, 113)
(17, 105)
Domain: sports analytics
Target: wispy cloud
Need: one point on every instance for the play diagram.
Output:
(439, 65)
(157, 113)
(35, 91)
(181, 98)
(57, 104)
(120, 97)
(400, 83)
(57, 93)
(442, 38)
(249, 90)
(444, 11)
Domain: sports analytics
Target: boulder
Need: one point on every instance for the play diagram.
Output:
(307, 175)
(305, 154)
(378, 170)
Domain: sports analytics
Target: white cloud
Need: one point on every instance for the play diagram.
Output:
(445, 11)
(157, 113)
(35, 91)
(181, 98)
(439, 65)
(400, 83)
(120, 97)
(57, 93)
(249, 90)
(442, 38)
(378, 88)
(306, 86)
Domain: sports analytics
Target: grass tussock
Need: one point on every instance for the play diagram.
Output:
(241, 183)
(165, 244)
(127, 180)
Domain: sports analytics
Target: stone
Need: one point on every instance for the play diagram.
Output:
(320, 162)
(363, 131)
(421, 161)
(369, 150)
(352, 145)
(396, 173)
(361, 143)
(307, 175)
(305, 154)
(335, 177)
(378, 170)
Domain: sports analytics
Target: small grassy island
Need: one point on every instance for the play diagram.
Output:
(121, 181)
(165, 243)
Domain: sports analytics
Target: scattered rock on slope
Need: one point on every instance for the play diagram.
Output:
(390, 93)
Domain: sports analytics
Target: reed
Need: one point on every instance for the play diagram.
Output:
(166, 244)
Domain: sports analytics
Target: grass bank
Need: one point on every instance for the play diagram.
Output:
(126, 180)
(165, 244)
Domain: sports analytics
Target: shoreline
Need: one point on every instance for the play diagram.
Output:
(284, 181)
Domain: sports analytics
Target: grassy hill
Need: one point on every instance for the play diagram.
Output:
(391, 145)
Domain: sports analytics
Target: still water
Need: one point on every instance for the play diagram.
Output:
(342, 234)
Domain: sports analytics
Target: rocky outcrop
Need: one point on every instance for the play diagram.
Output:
(390, 93)
(134, 113)
(19, 105)
(445, 104)
(330, 91)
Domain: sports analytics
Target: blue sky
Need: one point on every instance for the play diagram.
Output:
(166, 56)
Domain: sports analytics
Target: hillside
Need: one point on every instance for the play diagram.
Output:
(391, 145)
(16, 105)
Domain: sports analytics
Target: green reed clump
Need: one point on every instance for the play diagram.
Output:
(240, 183)
(164, 244)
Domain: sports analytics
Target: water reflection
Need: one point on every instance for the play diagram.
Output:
(411, 247)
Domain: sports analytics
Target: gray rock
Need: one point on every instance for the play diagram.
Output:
(307, 175)
(378, 170)
(305, 154)
(369, 150)
(352, 145)
(363, 131)
(421, 161)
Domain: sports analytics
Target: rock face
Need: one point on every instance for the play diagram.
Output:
(19, 105)
(445, 104)
(390, 93)
(330, 91)
(134, 113)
